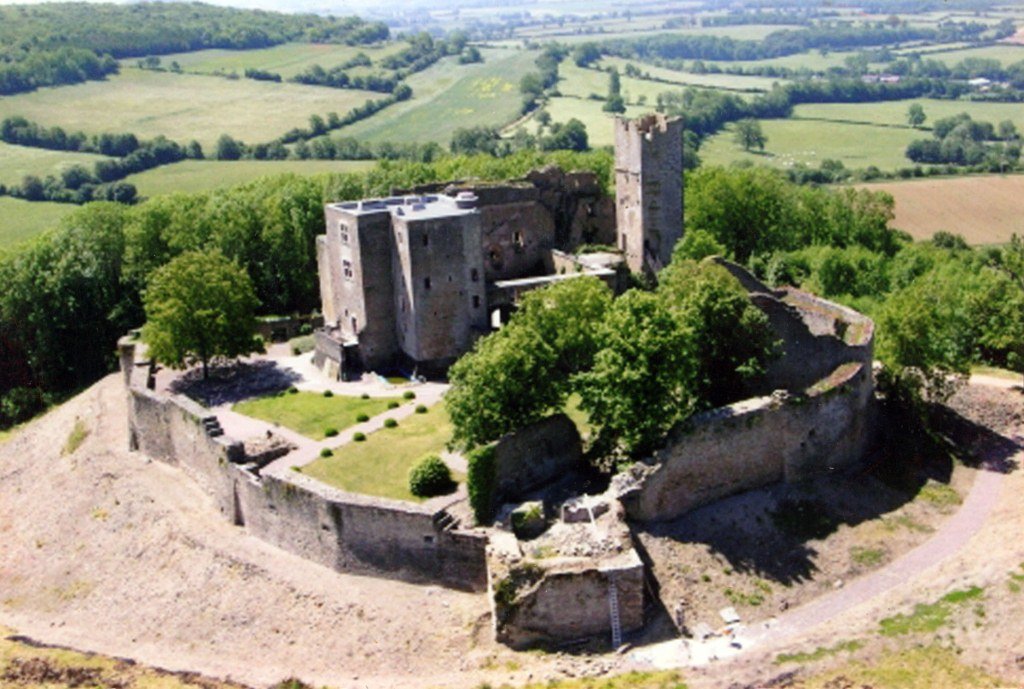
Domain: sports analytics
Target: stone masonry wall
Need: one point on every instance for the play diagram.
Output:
(564, 600)
(535, 455)
(754, 443)
(343, 531)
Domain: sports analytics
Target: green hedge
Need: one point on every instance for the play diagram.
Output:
(480, 483)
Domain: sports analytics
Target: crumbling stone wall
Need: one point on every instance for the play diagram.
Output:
(565, 599)
(534, 456)
(754, 443)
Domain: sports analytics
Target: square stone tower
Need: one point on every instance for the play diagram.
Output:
(648, 190)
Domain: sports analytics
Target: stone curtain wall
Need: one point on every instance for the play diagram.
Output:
(343, 531)
(754, 443)
(534, 456)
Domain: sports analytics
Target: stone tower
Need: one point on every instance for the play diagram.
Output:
(648, 190)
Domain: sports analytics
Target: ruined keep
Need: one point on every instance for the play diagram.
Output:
(648, 190)
(409, 282)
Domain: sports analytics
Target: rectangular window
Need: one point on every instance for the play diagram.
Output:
(474, 275)
(476, 302)
(426, 239)
(426, 283)
(346, 268)
(343, 229)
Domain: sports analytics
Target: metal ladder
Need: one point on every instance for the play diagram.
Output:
(613, 609)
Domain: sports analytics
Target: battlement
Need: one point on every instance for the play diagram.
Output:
(649, 127)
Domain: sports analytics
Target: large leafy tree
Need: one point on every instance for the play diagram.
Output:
(522, 372)
(199, 306)
(642, 381)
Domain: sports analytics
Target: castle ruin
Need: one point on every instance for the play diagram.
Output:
(409, 282)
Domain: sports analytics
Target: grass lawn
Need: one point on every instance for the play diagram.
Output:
(310, 413)
(811, 60)
(380, 465)
(447, 96)
(287, 59)
(895, 112)
(981, 370)
(723, 81)
(18, 161)
(809, 142)
(21, 220)
(205, 175)
(182, 107)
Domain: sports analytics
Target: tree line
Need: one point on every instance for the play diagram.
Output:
(65, 43)
(71, 293)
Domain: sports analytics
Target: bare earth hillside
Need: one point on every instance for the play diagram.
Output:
(102, 550)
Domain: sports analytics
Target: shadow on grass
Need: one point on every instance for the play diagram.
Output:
(235, 382)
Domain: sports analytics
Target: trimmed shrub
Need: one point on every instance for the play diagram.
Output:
(480, 483)
(362, 418)
(328, 393)
(393, 405)
(421, 409)
(331, 432)
(430, 477)
(359, 437)
(409, 395)
(293, 390)
(327, 452)
(390, 423)
(365, 396)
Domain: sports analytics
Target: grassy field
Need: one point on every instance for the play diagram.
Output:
(809, 142)
(895, 112)
(609, 29)
(448, 96)
(813, 61)
(181, 106)
(18, 161)
(984, 209)
(1006, 53)
(287, 59)
(723, 81)
(311, 413)
(206, 175)
(22, 220)
(599, 124)
(380, 465)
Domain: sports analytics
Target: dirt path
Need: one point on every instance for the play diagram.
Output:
(914, 566)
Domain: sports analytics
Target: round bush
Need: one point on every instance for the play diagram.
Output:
(390, 423)
(392, 405)
(293, 390)
(421, 409)
(365, 396)
(330, 432)
(361, 418)
(359, 437)
(326, 452)
(409, 395)
(328, 393)
(430, 477)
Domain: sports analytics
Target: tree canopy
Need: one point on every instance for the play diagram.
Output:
(199, 306)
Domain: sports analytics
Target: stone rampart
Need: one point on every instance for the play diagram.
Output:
(754, 443)
(534, 456)
(343, 531)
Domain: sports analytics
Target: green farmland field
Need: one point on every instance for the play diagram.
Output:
(448, 96)
(206, 175)
(287, 59)
(182, 107)
(18, 161)
(608, 30)
(809, 142)
(721, 81)
(813, 61)
(894, 113)
(599, 124)
(1006, 53)
(21, 220)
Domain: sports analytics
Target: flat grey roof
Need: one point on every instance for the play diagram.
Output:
(408, 207)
